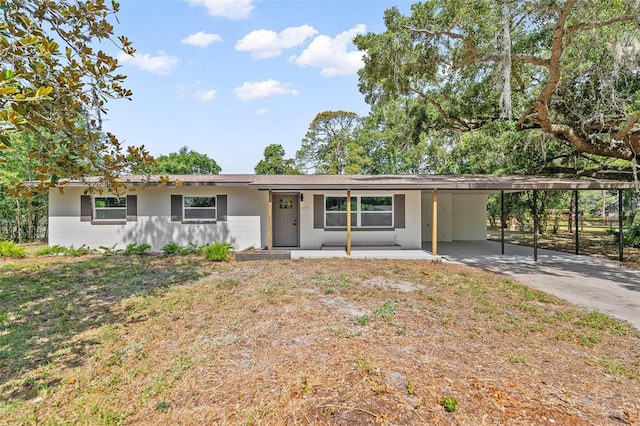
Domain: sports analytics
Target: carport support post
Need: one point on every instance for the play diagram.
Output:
(620, 230)
(270, 216)
(535, 225)
(502, 221)
(434, 222)
(576, 217)
(348, 222)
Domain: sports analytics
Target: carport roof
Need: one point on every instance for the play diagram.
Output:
(369, 182)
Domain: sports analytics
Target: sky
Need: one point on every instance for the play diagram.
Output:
(227, 78)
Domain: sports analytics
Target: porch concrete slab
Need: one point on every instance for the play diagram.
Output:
(588, 282)
(362, 254)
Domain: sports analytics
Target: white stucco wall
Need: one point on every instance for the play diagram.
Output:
(445, 216)
(462, 216)
(469, 217)
(244, 227)
(408, 237)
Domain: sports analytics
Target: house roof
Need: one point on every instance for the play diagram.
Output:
(372, 182)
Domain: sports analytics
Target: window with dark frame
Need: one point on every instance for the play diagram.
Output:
(109, 208)
(199, 208)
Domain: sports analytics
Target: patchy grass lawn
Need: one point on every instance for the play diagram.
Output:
(177, 340)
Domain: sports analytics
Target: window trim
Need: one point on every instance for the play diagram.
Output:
(358, 212)
(199, 220)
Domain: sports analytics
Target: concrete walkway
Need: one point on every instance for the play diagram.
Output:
(588, 282)
(362, 254)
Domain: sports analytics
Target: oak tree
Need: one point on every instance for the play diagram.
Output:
(567, 68)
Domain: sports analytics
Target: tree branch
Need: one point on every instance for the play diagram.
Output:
(473, 49)
(600, 24)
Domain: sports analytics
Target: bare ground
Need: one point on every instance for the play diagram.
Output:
(336, 342)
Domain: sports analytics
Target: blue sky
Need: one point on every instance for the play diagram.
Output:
(229, 77)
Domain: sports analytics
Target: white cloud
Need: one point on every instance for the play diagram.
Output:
(267, 44)
(201, 39)
(232, 9)
(253, 91)
(205, 95)
(331, 54)
(162, 64)
(263, 111)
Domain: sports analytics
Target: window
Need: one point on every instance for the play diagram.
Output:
(285, 204)
(200, 208)
(110, 208)
(366, 212)
(376, 211)
(336, 212)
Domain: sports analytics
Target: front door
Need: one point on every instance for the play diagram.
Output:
(285, 220)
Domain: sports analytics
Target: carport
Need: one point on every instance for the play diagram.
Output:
(500, 184)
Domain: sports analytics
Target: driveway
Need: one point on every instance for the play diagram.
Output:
(588, 282)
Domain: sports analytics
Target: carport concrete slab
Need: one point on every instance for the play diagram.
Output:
(588, 282)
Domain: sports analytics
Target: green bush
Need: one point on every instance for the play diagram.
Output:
(174, 248)
(109, 251)
(52, 251)
(218, 252)
(630, 235)
(135, 248)
(64, 251)
(11, 249)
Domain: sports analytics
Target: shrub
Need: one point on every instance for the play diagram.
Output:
(218, 252)
(11, 249)
(109, 251)
(52, 251)
(80, 251)
(630, 235)
(175, 248)
(135, 248)
(172, 248)
(64, 251)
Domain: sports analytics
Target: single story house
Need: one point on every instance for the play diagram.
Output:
(287, 211)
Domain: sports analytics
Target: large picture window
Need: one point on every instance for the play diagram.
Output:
(200, 208)
(366, 212)
(110, 208)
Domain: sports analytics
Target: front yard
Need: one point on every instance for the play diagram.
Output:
(178, 340)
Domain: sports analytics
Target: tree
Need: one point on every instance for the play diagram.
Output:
(185, 162)
(398, 138)
(54, 83)
(569, 69)
(23, 217)
(331, 144)
(274, 162)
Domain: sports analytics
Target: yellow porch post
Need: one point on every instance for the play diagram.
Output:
(434, 223)
(270, 216)
(348, 222)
